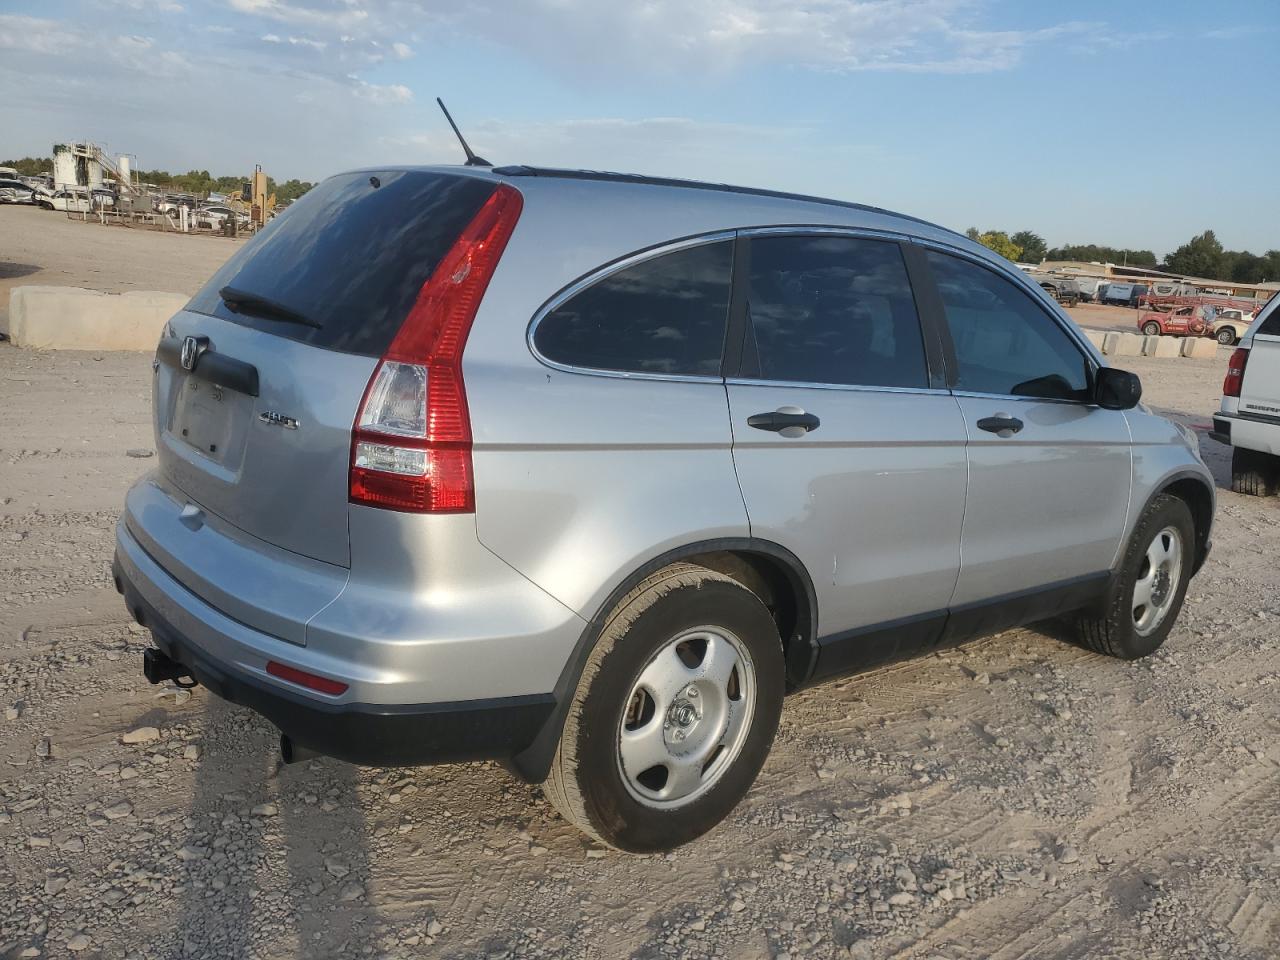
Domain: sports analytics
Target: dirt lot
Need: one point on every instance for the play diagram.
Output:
(45, 247)
(1014, 798)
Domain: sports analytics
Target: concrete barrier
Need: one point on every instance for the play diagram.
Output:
(1163, 347)
(70, 318)
(1096, 337)
(1109, 342)
(1129, 345)
(1200, 348)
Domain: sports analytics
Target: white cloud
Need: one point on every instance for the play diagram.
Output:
(271, 38)
(308, 42)
(381, 93)
(680, 36)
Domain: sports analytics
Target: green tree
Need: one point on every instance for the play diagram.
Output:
(1201, 256)
(30, 166)
(973, 233)
(1033, 245)
(999, 242)
(1092, 252)
(292, 189)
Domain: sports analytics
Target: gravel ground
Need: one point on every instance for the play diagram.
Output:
(45, 247)
(1017, 797)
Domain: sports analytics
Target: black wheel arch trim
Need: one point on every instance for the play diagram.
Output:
(1203, 520)
(534, 762)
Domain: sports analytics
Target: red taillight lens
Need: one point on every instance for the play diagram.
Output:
(411, 442)
(304, 679)
(1235, 373)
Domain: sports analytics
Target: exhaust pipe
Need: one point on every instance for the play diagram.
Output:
(158, 666)
(291, 752)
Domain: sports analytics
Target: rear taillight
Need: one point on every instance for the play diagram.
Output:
(411, 442)
(1235, 373)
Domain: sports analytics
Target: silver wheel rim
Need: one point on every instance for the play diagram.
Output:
(686, 718)
(1158, 577)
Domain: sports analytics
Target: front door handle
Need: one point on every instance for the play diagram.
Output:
(1002, 425)
(788, 421)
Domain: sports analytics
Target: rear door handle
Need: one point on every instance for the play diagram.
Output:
(788, 421)
(1002, 425)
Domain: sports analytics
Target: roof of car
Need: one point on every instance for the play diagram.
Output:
(522, 170)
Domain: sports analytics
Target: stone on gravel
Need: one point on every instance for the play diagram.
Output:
(141, 735)
(264, 810)
(118, 811)
(1067, 854)
(78, 941)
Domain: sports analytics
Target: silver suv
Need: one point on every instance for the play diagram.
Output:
(584, 472)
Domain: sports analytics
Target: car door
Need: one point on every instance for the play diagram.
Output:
(848, 448)
(1049, 471)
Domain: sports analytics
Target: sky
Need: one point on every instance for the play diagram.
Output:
(1134, 123)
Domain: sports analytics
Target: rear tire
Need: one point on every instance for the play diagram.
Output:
(1226, 336)
(1253, 473)
(1146, 594)
(655, 749)
(1151, 329)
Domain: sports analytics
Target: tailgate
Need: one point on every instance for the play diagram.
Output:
(259, 379)
(1260, 390)
(274, 465)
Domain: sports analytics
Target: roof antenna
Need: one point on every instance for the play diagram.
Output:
(472, 159)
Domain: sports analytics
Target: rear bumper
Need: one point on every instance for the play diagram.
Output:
(1249, 431)
(229, 659)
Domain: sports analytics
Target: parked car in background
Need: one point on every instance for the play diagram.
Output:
(425, 447)
(1124, 294)
(13, 190)
(1230, 325)
(1063, 289)
(1182, 322)
(1249, 418)
(215, 215)
(66, 200)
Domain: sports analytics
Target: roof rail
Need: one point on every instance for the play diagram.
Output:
(521, 170)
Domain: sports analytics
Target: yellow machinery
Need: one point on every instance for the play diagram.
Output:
(254, 194)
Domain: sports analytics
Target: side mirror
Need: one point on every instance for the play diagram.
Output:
(1116, 389)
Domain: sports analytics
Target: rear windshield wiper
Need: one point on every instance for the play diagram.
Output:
(241, 301)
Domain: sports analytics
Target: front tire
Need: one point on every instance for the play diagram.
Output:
(1226, 336)
(1146, 594)
(1151, 329)
(674, 714)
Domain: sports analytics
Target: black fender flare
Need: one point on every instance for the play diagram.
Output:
(534, 762)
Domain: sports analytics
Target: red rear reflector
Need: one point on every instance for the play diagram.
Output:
(304, 679)
(405, 457)
(1235, 373)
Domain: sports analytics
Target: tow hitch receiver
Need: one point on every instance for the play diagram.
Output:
(158, 666)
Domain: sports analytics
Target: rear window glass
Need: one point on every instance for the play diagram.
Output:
(666, 316)
(348, 257)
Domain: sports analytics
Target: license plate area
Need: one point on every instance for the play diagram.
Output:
(211, 420)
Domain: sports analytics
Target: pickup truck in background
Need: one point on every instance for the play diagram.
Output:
(1249, 419)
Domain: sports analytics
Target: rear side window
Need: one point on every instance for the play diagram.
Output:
(1270, 325)
(666, 315)
(1005, 343)
(835, 310)
(349, 257)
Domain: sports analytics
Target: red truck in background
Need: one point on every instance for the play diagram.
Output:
(1188, 321)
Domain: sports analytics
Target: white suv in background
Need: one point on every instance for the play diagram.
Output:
(1249, 420)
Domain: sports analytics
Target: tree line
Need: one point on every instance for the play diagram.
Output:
(198, 182)
(1201, 256)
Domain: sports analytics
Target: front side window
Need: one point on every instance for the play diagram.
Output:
(834, 310)
(1005, 343)
(664, 316)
